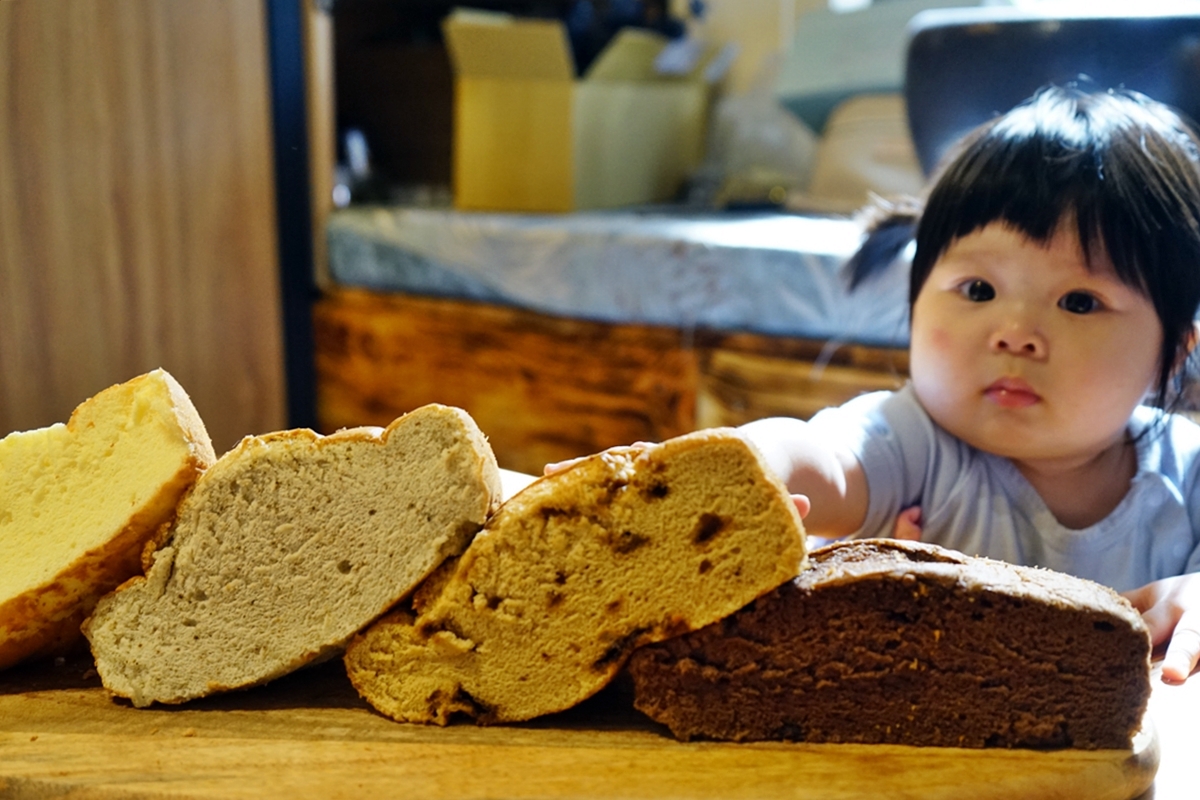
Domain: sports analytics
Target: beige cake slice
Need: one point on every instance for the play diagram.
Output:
(286, 547)
(79, 501)
(626, 547)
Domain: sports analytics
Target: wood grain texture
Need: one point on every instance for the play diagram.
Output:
(542, 388)
(309, 735)
(545, 388)
(136, 208)
(737, 387)
(322, 136)
(747, 376)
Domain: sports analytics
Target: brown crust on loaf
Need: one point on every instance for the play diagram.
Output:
(46, 620)
(883, 641)
(629, 546)
(850, 561)
(286, 547)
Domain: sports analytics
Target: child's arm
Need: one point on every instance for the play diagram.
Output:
(828, 474)
(1171, 609)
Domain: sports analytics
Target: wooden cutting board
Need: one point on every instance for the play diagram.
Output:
(309, 735)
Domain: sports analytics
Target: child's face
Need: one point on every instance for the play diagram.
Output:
(1019, 350)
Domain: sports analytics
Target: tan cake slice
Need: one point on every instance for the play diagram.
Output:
(286, 547)
(626, 547)
(79, 501)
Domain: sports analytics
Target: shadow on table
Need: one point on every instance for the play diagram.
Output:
(320, 686)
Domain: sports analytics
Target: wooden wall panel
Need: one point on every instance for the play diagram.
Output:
(322, 128)
(136, 208)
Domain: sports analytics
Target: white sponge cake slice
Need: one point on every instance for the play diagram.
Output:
(289, 545)
(79, 501)
(626, 547)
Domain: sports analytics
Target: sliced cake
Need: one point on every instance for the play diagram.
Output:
(625, 547)
(289, 545)
(79, 501)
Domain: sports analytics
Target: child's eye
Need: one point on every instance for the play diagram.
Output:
(978, 291)
(1078, 303)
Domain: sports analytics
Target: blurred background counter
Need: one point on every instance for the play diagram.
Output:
(563, 335)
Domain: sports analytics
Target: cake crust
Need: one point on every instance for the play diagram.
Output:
(884, 641)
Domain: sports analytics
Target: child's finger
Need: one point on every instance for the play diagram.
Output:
(1161, 619)
(559, 466)
(1183, 651)
(908, 524)
(803, 505)
(1142, 598)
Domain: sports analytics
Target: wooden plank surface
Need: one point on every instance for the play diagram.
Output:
(137, 209)
(309, 735)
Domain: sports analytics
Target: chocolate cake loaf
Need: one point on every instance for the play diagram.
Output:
(886, 641)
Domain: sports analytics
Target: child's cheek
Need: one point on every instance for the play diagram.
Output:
(941, 340)
(937, 340)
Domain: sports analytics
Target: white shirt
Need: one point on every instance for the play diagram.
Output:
(978, 503)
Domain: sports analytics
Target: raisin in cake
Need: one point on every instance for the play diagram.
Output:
(883, 641)
(79, 501)
(289, 545)
(629, 546)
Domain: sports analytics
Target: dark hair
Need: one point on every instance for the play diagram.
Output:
(1123, 167)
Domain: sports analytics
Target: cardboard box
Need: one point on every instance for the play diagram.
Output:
(529, 136)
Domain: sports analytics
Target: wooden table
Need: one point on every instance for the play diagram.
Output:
(309, 735)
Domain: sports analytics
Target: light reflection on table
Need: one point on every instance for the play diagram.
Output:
(1175, 714)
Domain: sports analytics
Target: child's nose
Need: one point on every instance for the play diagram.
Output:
(1019, 339)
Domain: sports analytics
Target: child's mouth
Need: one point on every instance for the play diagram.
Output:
(1011, 393)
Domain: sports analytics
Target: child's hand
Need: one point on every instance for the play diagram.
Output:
(559, 466)
(908, 524)
(802, 504)
(1171, 609)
